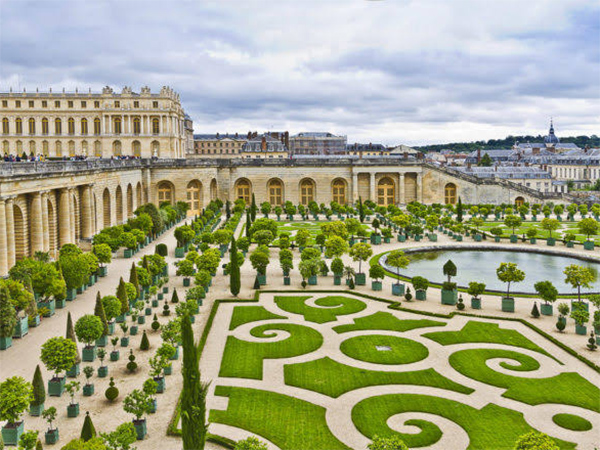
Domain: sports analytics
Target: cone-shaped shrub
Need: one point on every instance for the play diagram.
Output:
(122, 296)
(133, 277)
(145, 344)
(39, 390)
(99, 312)
(174, 297)
(88, 431)
(234, 270)
(535, 312)
(71, 335)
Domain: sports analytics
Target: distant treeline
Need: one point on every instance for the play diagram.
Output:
(508, 142)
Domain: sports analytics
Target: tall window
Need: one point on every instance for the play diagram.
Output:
(136, 125)
(5, 126)
(71, 126)
(194, 189)
(32, 126)
(307, 191)
(339, 191)
(18, 126)
(45, 148)
(97, 126)
(97, 149)
(275, 192)
(71, 145)
(155, 148)
(155, 125)
(32, 147)
(5, 147)
(450, 194)
(386, 192)
(117, 125)
(84, 126)
(57, 127)
(165, 192)
(243, 190)
(136, 148)
(58, 148)
(117, 148)
(45, 126)
(19, 147)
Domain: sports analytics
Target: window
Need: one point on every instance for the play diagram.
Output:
(45, 148)
(96, 104)
(276, 192)
(117, 125)
(5, 126)
(70, 103)
(5, 103)
(136, 104)
(5, 147)
(57, 103)
(339, 191)
(307, 191)
(57, 127)
(58, 148)
(155, 125)
(18, 126)
(18, 103)
(71, 148)
(44, 104)
(136, 148)
(19, 147)
(136, 125)
(194, 189)
(84, 104)
(97, 126)
(450, 194)
(84, 126)
(155, 104)
(243, 190)
(97, 149)
(117, 148)
(32, 126)
(385, 192)
(31, 103)
(165, 192)
(71, 126)
(32, 147)
(117, 104)
(45, 126)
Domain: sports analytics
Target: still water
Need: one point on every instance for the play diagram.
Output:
(481, 265)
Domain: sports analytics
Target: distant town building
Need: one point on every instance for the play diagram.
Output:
(218, 145)
(265, 146)
(367, 149)
(317, 143)
(531, 177)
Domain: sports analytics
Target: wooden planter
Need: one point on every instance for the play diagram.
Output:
(508, 304)
(449, 296)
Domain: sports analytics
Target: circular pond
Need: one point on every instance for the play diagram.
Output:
(481, 264)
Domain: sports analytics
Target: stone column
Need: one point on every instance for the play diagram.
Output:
(86, 212)
(64, 218)
(36, 224)
(10, 233)
(372, 188)
(401, 190)
(419, 187)
(354, 188)
(45, 222)
(3, 238)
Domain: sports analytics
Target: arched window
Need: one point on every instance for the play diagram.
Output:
(45, 148)
(58, 148)
(5, 126)
(242, 190)
(18, 126)
(338, 188)
(5, 147)
(84, 126)
(19, 148)
(57, 127)
(386, 192)
(450, 194)
(307, 191)
(97, 149)
(32, 126)
(117, 125)
(275, 192)
(45, 126)
(136, 125)
(519, 201)
(84, 147)
(194, 191)
(155, 148)
(165, 192)
(117, 148)
(155, 125)
(136, 148)
(71, 145)
(97, 127)
(71, 126)
(213, 189)
(32, 147)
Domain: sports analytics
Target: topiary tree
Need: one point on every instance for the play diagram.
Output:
(28, 440)
(535, 441)
(112, 392)
(120, 439)
(546, 291)
(88, 329)
(234, 270)
(8, 314)
(111, 306)
(476, 289)
(123, 297)
(509, 273)
(535, 312)
(420, 283)
(512, 221)
(39, 389)
(59, 355)
(376, 272)
(137, 403)
(15, 396)
(361, 251)
(588, 227)
(397, 259)
(578, 277)
(88, 431)
(550, 225)
(449, 269)
(145, 343)
(99, 312)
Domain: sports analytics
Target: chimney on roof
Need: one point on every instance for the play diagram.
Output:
(217, 135)
(263, 144)
(236, 135)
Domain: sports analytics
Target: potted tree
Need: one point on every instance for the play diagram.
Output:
(73, 372)
(103, 369)
(420, 284)
(361, 252)
(286, 263)
(185, 269)
(477, 222)
(88, 388)
(337, 267)
(8, 318)
(569, 239)
(149, 389)
(475, 290)
(578, 277)
(51, 435)
(376, 273)
(36, 407)
(260, 260)
(99, 312)
(72, 387)
(104, 254)
(125, 338)
(563, 311)
(512, 221)
(15, 397)
(588, 227)
(449, 291)
(531, 234)
(309, 268)
(581, 317)
(431, 223)
(158, 363)
(114, 354)
(88, 329)
(509, 273)
(138, 403)
(397, 259)
(550, 225)
(112, 309)
(58, 355)
(548, 293)
(497, 233)
(375, 236)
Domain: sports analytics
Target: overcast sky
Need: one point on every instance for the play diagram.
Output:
(390, 71)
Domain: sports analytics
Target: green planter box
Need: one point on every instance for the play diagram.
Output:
(508, 304)
(570, 244)
(128, 253)
(21, 327)
(588, 245)
(160, 297)
(133, 330)
(398, 289)
(102, 341)
(56, 386)
(532, 240)
(420, 294)
(551, 242)
(141, 320)
(73, 410)
(179, 252)
(262, 280)
(287, 281)
(111, 327)
(102, 371)
(546, 309)
(514, 239)
(114, 355)
(88, 390)
(496, 238)
(175, 355)
(140, 429)
(168, 370)
(5, 342)
(80, 289)
(155, 302)
(36, 410)
(337, 280)
(88, 353)
(376, 285)
(376, 239)
(161, 385)
(165, 290)
(147, 311)
(11, 433)
(458, 238)
(449, 296)
(360, 279)
(432, 237)
(580, 329)
(35, 321)
(401, 238)
(51, 436)
(73, 372)
(475, 303)
(124, 341)
(186, 282)
(478, 237)
(61, 303)
(102, 271)
(51, 306)
(417, 237)
(387, 240)
(71, 294)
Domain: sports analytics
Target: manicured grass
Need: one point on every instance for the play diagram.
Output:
(286, 421)
(403, 351)
(246, 314)
(332, 378)
(491, 427)
(572, 422)
(565, 227)
(386, 321)
(475, 331)
(243, 359)
(335, 305)
(566, 388)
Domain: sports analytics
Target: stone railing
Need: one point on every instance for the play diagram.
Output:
(9, 169)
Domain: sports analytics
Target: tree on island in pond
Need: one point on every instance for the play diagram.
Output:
(509, 273)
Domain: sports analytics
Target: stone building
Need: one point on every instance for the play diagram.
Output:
(218, 145)
(317, 143)
(60, 124)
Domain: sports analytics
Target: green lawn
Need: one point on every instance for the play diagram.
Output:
(334, 305)
(243, 359)
(313, 227)
(491, 427)
(401, 350)
(246, 314)
(486, 332)
(286, 421)
(566, 388)
(386, 321)
(572, 422)
(332, 378)
(565, 227)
